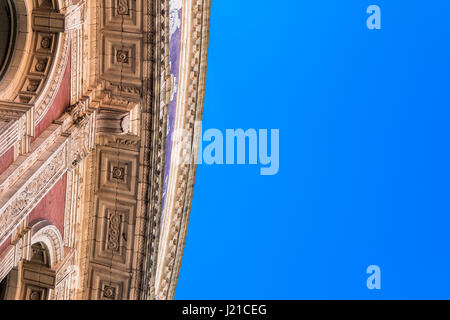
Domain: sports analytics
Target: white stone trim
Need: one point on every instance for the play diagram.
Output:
(50, 236)
(17, 201)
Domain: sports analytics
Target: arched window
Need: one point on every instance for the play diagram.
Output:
(40, 254)
(34, 278)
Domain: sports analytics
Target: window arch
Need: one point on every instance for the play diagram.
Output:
(42, 231)
(46, 250)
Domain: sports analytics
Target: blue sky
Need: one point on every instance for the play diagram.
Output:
(364, 179)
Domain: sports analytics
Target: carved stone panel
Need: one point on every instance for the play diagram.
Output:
(115, 225)
(123, 15)
(118, 174)
(122, 58)
(108, 284)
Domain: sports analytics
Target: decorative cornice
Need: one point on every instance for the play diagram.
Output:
(18, 201)
(154, 132)
(24, 162)
(195, 31)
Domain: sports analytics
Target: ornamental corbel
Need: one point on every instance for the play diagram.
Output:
(81, 131)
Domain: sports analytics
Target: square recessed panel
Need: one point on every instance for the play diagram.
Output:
(32, 85)
(45, 43)
(123, 15)
(40, 65)
(109, 290)
(121, 58)
(118, 174)
(108, 284)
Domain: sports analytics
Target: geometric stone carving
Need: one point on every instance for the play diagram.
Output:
(183, 158)
(114, 231)
(31, 85)
(108, 284)
(122, 56)
(45, 43)
(122, 62)
(118, 173)
(109, 292)
(40, 64)
(122, 15)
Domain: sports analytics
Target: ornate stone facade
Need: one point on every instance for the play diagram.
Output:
(94, 192)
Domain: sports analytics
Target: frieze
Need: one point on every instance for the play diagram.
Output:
(25, 162)
(127, 141)
(20, 202)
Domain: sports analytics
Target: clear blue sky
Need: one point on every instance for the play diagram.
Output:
(364, 120)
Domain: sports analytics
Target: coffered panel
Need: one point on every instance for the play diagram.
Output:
(108, 284)
(122, 58)
(118, 173)
(123, 15)
(114, 232)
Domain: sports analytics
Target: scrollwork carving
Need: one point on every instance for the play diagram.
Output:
(122, 7)
(115, 222)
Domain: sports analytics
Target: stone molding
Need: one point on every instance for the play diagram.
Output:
(195, 31)
(154, 133)
(17, 201)
(19, 249)
(60, 148)
(17, 122)
(48, 234)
